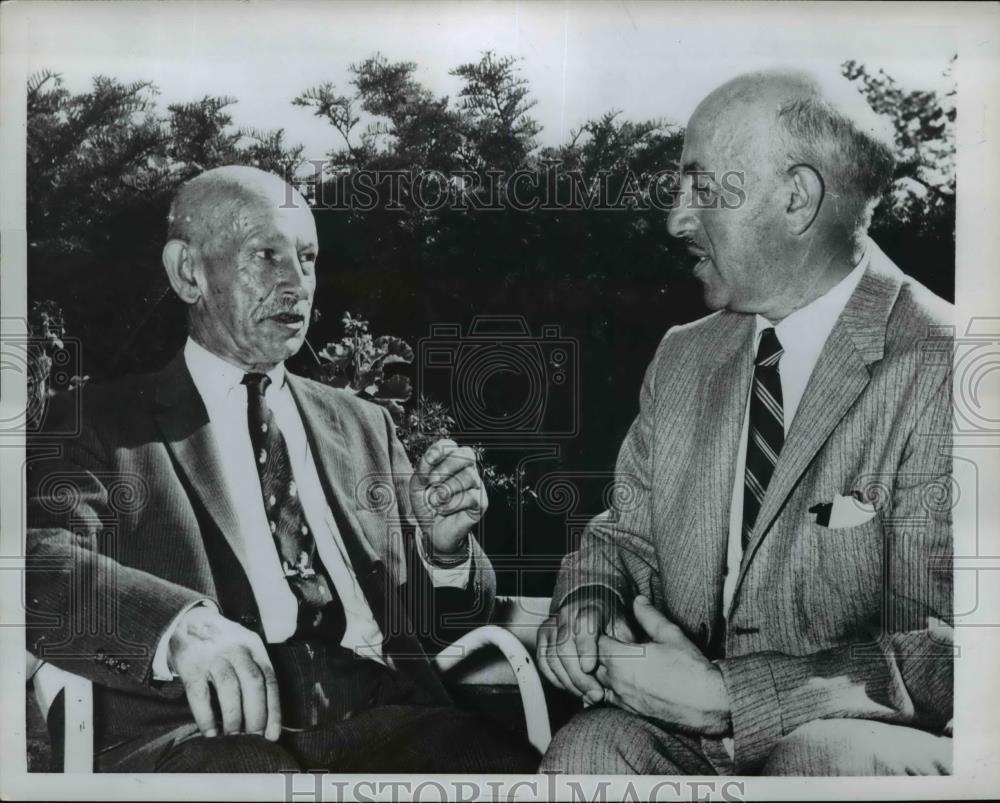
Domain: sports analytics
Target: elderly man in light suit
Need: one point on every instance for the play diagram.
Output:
(779, 599)
(243, 561)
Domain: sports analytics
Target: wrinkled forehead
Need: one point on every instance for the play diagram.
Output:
(260, 216)
(293, 218)
(728, 134)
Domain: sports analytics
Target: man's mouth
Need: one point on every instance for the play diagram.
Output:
(701, 255)
(694, 250)
(294, 319)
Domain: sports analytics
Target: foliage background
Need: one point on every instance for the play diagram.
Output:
(102, 166)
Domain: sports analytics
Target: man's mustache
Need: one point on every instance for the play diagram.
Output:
(289, 307)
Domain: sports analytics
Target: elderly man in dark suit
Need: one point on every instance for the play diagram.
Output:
(242, 560)
(786, 564)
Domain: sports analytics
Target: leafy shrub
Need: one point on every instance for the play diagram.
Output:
(373, 368)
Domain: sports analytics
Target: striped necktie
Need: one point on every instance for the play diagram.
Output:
(767, 429)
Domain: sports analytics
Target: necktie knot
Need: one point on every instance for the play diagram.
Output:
(256, 383)
(769, 351)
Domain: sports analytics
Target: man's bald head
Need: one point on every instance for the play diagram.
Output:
(213, 206)
(790, 117)
(241, 255)
(811, 159)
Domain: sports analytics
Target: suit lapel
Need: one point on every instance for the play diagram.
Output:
(840, 376)
(183, 422)
(335, 466)
(724, 402)
(380, 568)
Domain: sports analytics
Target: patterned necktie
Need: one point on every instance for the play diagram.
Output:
(321, 613)
(767, 429)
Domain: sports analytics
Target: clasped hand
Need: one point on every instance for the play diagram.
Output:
(588, 649)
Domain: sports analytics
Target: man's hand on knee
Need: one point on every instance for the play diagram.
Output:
(567, 643)
(206, 649)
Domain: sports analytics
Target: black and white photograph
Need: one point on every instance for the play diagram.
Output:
(502, 400)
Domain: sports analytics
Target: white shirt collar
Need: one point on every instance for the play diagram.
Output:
(214, 377)
(805, 331)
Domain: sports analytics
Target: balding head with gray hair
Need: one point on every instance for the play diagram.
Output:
(812, 160)
(851, 146)
(241, 253)
(820, 120)
(212, 204)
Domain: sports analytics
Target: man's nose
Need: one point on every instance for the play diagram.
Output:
(295, 279)
(682, 220)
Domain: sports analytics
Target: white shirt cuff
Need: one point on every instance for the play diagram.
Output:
(450, 577)
(727, 741)
(161, 669)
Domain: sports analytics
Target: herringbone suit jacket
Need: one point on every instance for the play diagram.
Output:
(823, 622)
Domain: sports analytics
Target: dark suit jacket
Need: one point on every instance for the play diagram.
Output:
(823, 622)
(120, 514)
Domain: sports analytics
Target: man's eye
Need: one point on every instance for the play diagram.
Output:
(703, 193)
(308, 256)
(265, 254)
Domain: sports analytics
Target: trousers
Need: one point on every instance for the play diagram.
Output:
(340, 713)
(609, 741)
(386, 739)
(373, 718)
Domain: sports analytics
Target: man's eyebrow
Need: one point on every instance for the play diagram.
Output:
(258, 236)
(692, 166)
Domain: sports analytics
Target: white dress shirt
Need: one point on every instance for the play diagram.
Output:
(220, 385)
(802, 336)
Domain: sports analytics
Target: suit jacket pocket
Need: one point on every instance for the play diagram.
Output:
(846, 574)
(384, 536)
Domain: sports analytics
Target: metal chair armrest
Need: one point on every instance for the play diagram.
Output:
(529, 684)
(78, 719)
(522, 616)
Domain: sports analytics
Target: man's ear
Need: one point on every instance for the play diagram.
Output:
(181, 272)
(807, 191)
